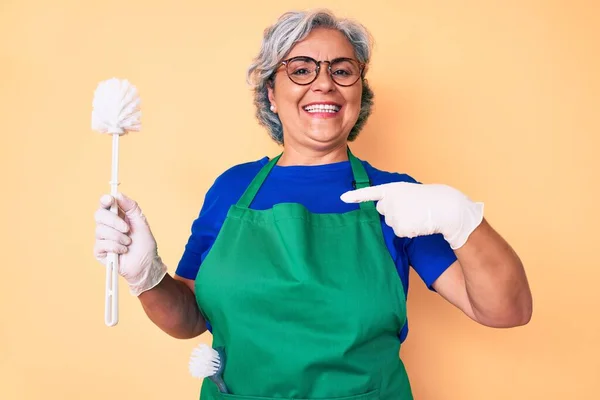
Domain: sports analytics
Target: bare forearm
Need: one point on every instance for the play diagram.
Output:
(172, 306)
(495, 279)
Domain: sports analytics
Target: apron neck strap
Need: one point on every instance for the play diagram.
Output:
(256, 183)
(361, 180)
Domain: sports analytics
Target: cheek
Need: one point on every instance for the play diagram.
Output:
(289, 96)
(353, 101)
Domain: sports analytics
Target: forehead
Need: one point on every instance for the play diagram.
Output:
(323, 44)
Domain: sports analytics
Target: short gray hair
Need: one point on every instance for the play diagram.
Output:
(279, 39)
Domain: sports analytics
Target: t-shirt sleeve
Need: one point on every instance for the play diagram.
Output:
(430, 256)
(204, 231)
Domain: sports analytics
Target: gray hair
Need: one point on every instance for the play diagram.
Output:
(279, 39)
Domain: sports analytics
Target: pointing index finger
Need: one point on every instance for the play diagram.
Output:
(372, 193)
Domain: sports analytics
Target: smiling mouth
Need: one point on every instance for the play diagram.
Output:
(322, 108)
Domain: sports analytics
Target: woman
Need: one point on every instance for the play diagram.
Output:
(299, 264)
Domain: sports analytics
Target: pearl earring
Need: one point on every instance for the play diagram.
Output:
(272, 108)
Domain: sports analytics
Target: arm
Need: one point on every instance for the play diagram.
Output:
(488, 282)
(172, 306)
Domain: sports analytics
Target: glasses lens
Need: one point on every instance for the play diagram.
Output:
(302, 70)
(345, 72)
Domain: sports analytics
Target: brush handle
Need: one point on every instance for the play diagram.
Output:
(217, 378)
(111, 292)
(218, 381)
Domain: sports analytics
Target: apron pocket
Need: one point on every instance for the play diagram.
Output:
(372, 395)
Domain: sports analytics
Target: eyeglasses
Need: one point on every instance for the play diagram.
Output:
(304, 70)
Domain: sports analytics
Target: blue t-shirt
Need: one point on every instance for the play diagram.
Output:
(318, 188)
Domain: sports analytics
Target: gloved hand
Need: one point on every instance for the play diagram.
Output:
(129, 236)
(413, 209)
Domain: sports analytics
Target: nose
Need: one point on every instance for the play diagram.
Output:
(323, 83)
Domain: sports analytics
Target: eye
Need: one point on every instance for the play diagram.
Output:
(345, 68)
(301, 67)
(342, 72)
(301, 71)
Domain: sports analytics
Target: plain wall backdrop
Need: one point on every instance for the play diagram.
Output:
(498, 98)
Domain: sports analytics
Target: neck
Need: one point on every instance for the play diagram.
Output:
(301, 155)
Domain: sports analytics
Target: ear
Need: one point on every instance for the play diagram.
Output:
(271, 94)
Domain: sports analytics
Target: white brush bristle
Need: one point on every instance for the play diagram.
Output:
(204, 362)
(116, 107)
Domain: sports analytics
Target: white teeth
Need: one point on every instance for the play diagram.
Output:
(328, 108)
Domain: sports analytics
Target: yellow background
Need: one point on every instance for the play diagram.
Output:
(497, 98)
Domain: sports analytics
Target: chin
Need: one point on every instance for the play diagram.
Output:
(326, 138)
(324, 142)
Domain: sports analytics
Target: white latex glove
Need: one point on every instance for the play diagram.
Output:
(129, 236)
(413, 209)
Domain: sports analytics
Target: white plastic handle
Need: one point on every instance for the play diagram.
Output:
(111, 297)
(111, 292)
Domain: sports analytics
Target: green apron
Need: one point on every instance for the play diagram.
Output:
(306, 306)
